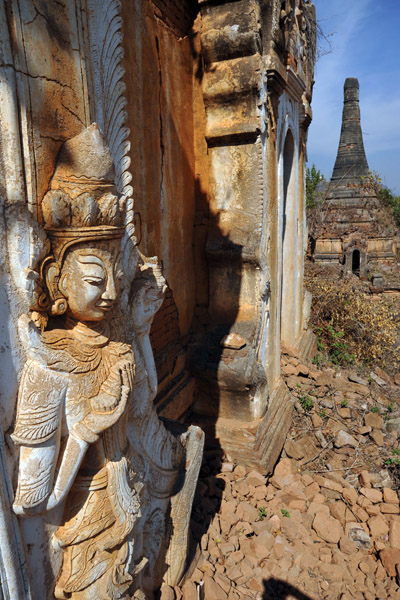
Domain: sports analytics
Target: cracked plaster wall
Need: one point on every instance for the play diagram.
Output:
(49, 73)
(42, 104)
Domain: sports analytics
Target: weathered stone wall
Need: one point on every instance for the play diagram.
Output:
(381, 249)
(332, 251)
(256, 88)
(159, 78)
(43, 104)
(42, 68)
(177, 14)
(218, 122)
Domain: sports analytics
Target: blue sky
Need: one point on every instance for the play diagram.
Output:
(365, 44)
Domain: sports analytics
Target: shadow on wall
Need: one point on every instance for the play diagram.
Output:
(208, 359)
(178, 227)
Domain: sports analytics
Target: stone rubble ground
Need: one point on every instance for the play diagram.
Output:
(326, 524)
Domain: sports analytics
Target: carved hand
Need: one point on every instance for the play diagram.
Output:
(108, 408)
(110, 392)
(147, 300)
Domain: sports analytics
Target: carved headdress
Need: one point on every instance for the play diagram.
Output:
(82, 205)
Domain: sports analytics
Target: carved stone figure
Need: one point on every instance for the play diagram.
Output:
(89, 436)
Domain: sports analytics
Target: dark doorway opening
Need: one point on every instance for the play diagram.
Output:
(355, 262)
(313, 243)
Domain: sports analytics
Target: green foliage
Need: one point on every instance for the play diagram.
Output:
(313, 178)
(387, 198)
(391, 462)
(321, 346)
(375, 409)
(285, 513)
(306, 402)
(338, 348)
(385, 195)
(262, 513)
(343, 404)
(391, 407)
(322, 414)
(318, 359)
(329, 340)
(394, 462)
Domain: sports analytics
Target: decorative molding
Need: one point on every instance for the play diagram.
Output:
(275, 82)
(295, 85)
(254, 83)
(305, 113)
(295, 37)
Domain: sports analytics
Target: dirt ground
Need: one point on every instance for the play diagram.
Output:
(326, 523)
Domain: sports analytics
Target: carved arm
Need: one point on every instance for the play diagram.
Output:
(87, 431)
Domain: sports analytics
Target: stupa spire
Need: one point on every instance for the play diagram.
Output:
(351, 163)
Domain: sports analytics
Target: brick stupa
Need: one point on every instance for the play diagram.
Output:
(353, 228)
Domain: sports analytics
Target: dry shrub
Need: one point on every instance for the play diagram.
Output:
(367, 328)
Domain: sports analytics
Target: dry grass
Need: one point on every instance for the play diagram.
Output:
(354, 326)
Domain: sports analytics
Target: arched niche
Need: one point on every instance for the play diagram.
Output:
(289, 240)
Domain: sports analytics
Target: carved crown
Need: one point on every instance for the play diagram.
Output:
(82, 203)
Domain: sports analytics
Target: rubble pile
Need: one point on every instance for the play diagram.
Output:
(326, 524)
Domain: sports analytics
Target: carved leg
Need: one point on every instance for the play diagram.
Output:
(181, 507)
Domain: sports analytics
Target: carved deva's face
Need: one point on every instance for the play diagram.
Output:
(91, 278)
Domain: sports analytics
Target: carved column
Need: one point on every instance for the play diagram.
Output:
(253, 89)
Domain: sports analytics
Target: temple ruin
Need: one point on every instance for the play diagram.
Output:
(352, 229)
(153, 241)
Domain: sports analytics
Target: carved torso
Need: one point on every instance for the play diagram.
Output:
(63, 382)
(74, 371)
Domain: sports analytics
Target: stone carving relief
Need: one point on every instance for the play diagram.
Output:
(294, 35)
(91, 447)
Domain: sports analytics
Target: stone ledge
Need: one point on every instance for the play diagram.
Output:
(174, 403)
(232, 78)
(255, 444)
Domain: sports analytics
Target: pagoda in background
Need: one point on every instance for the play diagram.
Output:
(352, 229)
(351, 164)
